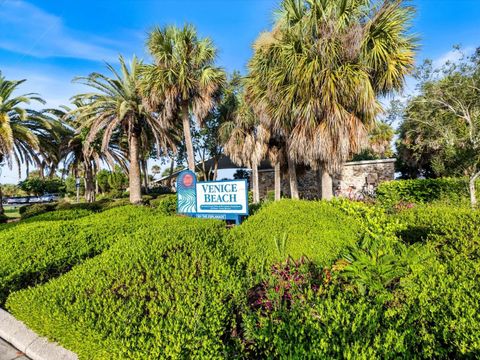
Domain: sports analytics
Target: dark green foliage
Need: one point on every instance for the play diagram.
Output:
(293, 228)
(166, 291)
(117, 180)
(442, 225)
(38, 186)
(96, 206)
(36, 209)
(71, 187)
(3, 218)
(102, 177)
(451, 190)
(34, 252)
(70, 214)
(159, 190)
(166, 204)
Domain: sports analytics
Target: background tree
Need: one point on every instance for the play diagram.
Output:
(102, 178)
(156, 170)
(183, 79)
(40, 186)
(442, 124)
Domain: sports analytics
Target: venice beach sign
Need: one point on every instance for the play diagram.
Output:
(226, 200)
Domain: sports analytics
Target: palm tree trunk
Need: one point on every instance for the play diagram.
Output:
(134, 174)
(188, 137)
(292, 177)
(327, 185)
(472, 190)
(255, 187)
(2, 210)
(215, 168)
(278, 181)
(318, 174)
(172, 166)
(145, 175)
(89, 184)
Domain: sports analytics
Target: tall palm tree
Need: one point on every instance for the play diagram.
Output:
(23, 132)
(117, 109)
(241, 135)
(71, 150)
(183, 78)
(318, 75)
(265, 64)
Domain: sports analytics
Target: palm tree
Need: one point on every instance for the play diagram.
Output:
(183, 78)
(319, 73)
(241, 135)
(23, 132)
(265, 64)
(71, 150)
(117, 110)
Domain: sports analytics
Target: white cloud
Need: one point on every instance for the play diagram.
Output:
(452, 56)
(53, 85)
(29, 30)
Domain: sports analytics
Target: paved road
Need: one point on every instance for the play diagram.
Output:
(8, 352)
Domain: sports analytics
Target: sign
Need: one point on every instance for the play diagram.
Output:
(226, 200)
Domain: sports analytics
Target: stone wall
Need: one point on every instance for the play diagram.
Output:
(356, 179)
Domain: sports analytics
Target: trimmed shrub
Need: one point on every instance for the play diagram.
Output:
(441, 225)
(36, 209)
(383, 299)
(293, 228)
(166, 291)
(452, 190)
(32, 253)
(59, 215)
(166, 204)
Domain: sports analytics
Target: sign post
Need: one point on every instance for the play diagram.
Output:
(224, 200)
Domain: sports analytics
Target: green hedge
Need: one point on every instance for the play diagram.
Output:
(459, 228)
(96, 206)
(383, 300)
(166, 291)
(33, 252)
(451, 190)
(372, 285)
(59, 215)
(166, 204)
(293, 228)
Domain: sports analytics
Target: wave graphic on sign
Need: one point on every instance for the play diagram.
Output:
(186, 192)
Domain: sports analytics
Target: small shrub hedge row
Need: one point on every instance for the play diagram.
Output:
(346, 281)
(33, 252)
(450, 190)
(165, 291)
(59, 215)
(442, 225)
(293, 228)
(96, 206)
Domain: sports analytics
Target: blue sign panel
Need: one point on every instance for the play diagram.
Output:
(186, 192)
(225, 200)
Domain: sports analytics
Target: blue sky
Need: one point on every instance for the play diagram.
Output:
(49, 42)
